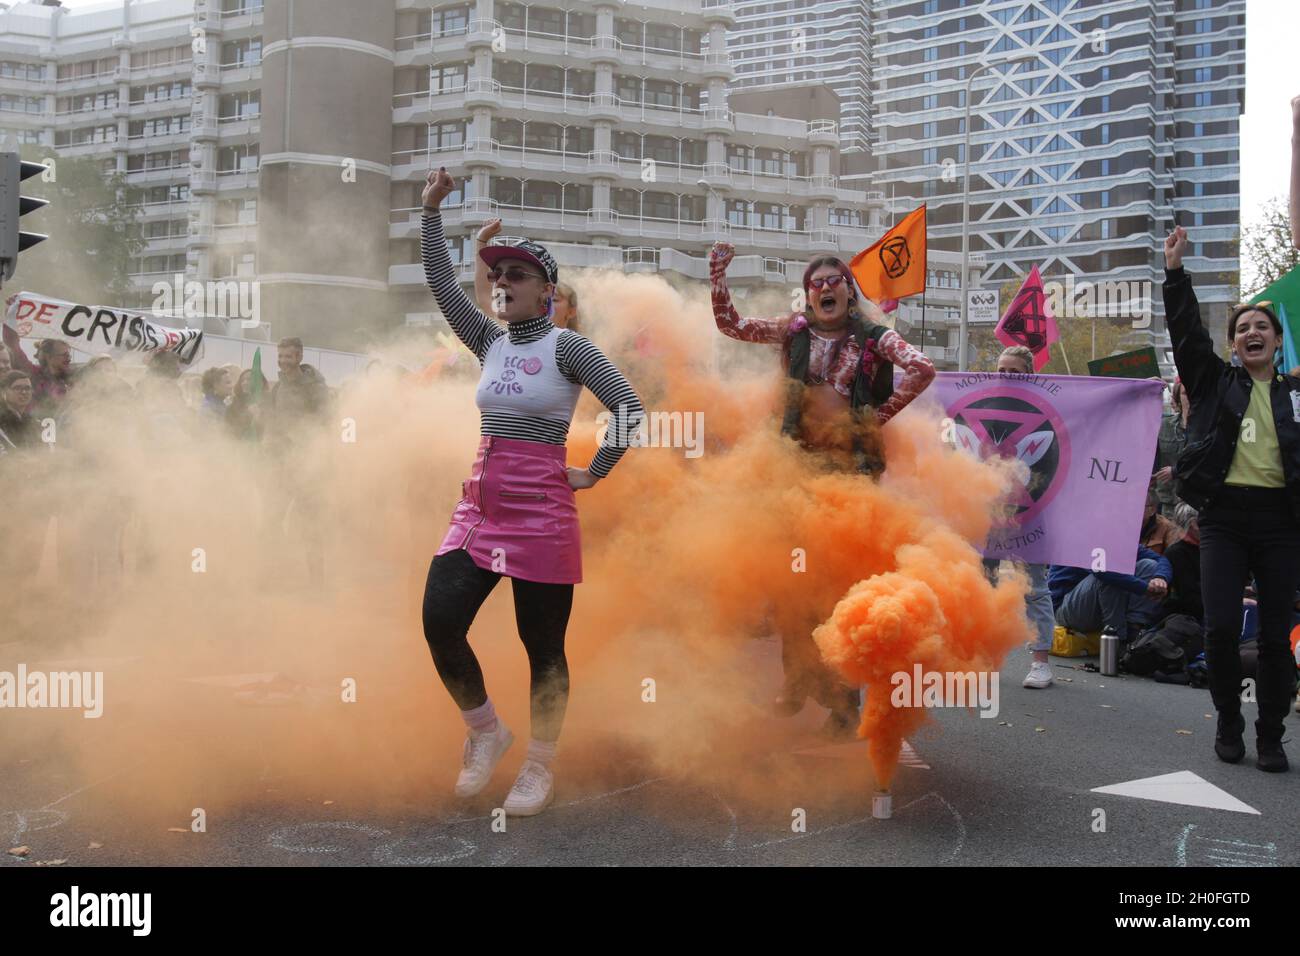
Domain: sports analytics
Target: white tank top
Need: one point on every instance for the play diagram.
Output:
(524, 381)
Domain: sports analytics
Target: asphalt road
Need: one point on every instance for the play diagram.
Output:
(1016, 790)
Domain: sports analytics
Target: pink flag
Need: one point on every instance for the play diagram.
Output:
(1029, 322)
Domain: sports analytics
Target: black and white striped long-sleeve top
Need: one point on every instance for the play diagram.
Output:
(577, 359)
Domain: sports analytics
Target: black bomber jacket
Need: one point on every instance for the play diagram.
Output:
(1219, 395)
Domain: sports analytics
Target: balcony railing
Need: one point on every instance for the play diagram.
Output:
(246, 10)
(525, 217)
(581, 104)
(174, 66)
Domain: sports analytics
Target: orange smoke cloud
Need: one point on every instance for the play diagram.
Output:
(687, 559)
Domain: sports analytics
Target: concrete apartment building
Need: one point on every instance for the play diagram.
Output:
(1125, 120)
(164, 91)
(288, 142)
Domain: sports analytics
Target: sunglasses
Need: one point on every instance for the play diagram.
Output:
(513, 274)
(827, 282)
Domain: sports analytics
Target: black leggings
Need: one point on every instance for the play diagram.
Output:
(1247, 531)
(455, 590)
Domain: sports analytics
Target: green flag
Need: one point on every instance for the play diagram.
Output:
(1284, 294)
(257, 376)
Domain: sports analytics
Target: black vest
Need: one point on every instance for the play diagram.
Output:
(867, 392)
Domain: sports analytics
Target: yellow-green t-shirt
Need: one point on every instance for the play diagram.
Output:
(1258, 460)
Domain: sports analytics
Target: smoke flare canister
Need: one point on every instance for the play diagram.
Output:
(882, 805)
(1109, 652)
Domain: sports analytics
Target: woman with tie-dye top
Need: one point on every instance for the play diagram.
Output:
(839, 364)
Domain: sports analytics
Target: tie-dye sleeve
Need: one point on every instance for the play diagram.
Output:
(732, 324)
(918, 372)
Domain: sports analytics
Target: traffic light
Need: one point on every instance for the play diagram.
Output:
(13, 205)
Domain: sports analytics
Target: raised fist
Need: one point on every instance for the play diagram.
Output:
(720, 256)
(1175, 247)
(438, 187)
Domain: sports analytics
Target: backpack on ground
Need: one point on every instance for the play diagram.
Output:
(1164, 649)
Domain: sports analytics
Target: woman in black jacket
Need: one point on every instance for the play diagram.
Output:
(1241, 469)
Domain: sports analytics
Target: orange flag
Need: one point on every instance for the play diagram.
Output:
(895, 265)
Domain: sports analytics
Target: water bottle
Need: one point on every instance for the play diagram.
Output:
(1109, 652)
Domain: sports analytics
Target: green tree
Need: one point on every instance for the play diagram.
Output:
(93, 226)
(1076, 340)
(1266, 243)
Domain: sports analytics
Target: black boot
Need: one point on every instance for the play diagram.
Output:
(1270, 756)
(1228, 743)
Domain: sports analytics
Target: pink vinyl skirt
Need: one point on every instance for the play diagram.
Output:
(517, 514)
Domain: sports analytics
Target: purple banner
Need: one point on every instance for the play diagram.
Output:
(1089, 444)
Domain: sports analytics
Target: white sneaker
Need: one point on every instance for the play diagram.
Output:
(1040, 675)
(482, 754)
(533, 791)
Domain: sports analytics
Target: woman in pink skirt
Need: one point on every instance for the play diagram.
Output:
(517, 517)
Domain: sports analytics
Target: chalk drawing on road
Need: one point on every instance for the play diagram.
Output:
(1182, 787)
(734, 828)
(1192, 850)
(47, 817)
(412, 850)
(282, 838)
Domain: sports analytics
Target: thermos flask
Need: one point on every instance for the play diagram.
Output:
(1109, 652)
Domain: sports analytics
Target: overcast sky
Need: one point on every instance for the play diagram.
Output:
(1272, 78)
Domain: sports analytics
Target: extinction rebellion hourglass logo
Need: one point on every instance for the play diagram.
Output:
(1006, 423)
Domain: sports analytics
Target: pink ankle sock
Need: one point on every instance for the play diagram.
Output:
(541, 751)
(481, 720)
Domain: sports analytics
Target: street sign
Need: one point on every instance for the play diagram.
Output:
(982, 306)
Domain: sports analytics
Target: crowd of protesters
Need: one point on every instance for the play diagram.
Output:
(47, 406)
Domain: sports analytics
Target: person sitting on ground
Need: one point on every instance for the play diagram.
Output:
(1089, 601)
(1184, 557)
(1158, 532)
